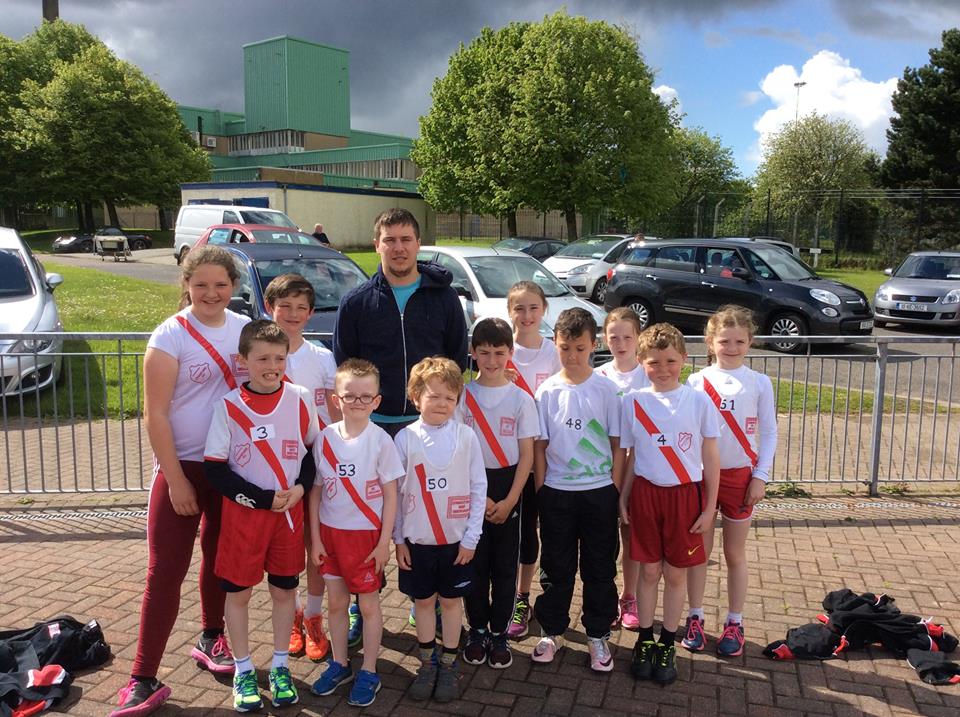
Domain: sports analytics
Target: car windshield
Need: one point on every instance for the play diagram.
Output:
(278, 236)
(497, 274)
(331, 278)
(784, 265)
(14, 277)
(918, 266)
(252, 216)
(589, 248)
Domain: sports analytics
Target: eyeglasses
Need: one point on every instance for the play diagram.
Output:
(349, 398)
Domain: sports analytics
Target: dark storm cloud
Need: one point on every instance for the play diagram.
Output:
(397, 48)
(917, 20)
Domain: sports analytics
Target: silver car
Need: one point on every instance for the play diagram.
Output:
(26, 305)
(923, 290)
(582, 265)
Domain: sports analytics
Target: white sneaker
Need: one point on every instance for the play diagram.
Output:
(547, 648)
(601, 659)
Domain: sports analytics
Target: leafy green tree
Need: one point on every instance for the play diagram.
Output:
(558, 114)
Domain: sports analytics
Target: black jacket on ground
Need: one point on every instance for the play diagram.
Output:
(370, 326)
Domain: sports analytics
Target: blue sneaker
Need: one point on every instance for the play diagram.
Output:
(246, 694)
(355, 634)
(364, 690)
(334, 676)
(282, 690)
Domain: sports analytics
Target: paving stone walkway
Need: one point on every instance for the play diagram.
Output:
(85, 555)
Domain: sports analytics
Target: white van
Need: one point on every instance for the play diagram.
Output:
(194, 219)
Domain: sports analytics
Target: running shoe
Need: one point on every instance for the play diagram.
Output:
(641, 664)
(332, 677)
(317, 645)
(519, 625)
(213, 654)
(424, 682)
(628, 614)
(664, 664)
(547, 648)
(296, 635)
(355, 633)
(731, 641)
(475, 650)
(140, 697)
(694, 639)
(282, 690)
(499, 655)
(601, 659)
(364, 690)
(448, 687)
(246, 694)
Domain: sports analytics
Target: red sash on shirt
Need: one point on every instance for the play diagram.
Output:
(332, 459)
(520, 381)
(485, 429)
(428, 503)
(671, 455)
(206, 346)
(319, 420)
(731, 421)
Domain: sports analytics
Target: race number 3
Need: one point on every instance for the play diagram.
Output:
(263, 432)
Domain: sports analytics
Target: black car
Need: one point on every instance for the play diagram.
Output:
(683, 281)
(85, 242)
(539, 248)
(331, 273)
(74, 243)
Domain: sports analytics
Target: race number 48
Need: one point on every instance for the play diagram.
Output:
(574, 423)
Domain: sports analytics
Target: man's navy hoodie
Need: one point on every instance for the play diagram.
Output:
(370, 326)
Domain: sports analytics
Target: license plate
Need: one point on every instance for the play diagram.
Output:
(912, 307)
(868, 324)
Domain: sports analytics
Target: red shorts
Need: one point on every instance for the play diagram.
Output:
(346, 550)
(660, 522)
(733, 490)
(253, 541)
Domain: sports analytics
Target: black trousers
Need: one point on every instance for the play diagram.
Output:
(490, 604)
(578, 526)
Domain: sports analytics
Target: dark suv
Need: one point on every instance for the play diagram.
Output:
(684, 281)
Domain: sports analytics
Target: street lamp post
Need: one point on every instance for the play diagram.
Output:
(796, 113)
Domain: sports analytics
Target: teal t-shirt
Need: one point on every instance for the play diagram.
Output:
(403, 293)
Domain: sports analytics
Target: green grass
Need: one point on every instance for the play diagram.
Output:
(867, 280)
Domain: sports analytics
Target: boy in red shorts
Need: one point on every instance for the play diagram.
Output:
(669, 491)
(352, 512)
(258, 438)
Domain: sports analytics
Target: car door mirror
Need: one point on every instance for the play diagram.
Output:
(740, 273)
(888, 272)
(54, 280)
(463, 291)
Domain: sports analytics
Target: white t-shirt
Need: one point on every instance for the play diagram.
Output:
(535, 365)
(666, 432)
(748, 396)
(626, 382)
(510, 413)
(366, 462)
(578, 421)
(456, 480)
(313, 367)
(200, 381)
(278, 427)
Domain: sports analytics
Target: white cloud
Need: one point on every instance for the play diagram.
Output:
(667, 95)
(833, 88)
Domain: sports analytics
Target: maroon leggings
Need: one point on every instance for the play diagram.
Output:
(170, 539)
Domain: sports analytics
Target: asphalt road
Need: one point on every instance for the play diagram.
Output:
(150, 264)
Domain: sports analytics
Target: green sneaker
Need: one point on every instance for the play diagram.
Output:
(246, 694)
(282, 690)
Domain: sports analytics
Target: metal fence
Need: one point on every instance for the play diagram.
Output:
(875, 413)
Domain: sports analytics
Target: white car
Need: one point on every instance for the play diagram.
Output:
(582, 265)
(483, 276)
(27, 305)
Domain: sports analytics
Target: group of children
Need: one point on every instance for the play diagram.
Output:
(537, 435)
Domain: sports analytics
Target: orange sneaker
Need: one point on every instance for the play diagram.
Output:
(296, 634)
(317, 643)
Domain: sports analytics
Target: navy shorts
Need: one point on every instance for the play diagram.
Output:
(432, 571)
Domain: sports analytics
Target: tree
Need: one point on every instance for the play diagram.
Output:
(558, 114)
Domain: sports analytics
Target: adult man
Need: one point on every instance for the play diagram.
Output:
(320, 235)
(404, 313)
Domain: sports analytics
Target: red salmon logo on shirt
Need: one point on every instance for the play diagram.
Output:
(508, 426)
(373, 490)
(318, 396)
(290, 450)
(410, 504)
(751, 425)
(199, 372)
(330, 487)
(458, 506)
(684, 441)
(241, 454)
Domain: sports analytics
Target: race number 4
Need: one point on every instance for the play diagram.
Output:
(661, 440)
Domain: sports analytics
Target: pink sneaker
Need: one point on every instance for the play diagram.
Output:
(628, 614)
(213, 654)
(140, 697)
(519, 625)
(601, 659)
(547, 648)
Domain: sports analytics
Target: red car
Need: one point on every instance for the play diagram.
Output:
(254, 234)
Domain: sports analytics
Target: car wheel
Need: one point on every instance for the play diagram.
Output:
(86, 247)
(643, 311)
(138, 244)
(788, 324)
(599, 291)
(183, 254)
